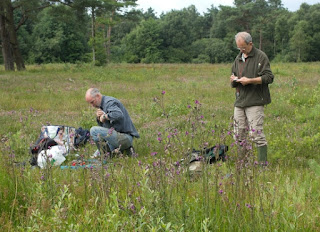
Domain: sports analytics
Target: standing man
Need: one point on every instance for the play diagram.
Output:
(115, 127)
(251, 75)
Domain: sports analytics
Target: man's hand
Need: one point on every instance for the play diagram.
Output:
(100, 113)
(233, 78)
(102, 118)
(246, 81)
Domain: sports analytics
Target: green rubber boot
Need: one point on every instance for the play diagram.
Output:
(262, 153)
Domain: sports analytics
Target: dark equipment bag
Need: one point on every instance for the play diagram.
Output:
(81, 137)
(211, 155)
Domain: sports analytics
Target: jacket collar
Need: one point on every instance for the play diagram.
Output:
(251, 54)
(102, 101)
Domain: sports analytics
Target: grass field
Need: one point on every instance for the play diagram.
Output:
(175, 107)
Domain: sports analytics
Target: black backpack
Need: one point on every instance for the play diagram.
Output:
(81, 137)
(210, 154)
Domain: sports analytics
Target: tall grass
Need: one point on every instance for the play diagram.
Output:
(175, 108)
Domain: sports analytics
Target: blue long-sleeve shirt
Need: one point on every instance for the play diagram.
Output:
(119, 118)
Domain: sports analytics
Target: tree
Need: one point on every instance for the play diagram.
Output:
(300, 41)
(58, 36)
(103, 17)
(179, 30)
(110, 17)
(10, 46)
(211, 50)
(313, 19)
(281, 34)
(143, 44)
(8, 27)
(129, 21)
(304, 44)
(225, 22)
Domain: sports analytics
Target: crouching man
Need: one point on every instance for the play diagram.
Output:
(115, 129)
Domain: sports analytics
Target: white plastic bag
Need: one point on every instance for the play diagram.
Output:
(54, 155)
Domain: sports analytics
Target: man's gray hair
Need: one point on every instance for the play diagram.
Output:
(94, 92)
(245, 36)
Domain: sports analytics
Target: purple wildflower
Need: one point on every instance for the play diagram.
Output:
(132, 207)
(110, 131)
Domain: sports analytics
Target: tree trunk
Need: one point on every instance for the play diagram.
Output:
(93, 34)
(260, 41)
(109, 39)
(10, 47)
(6, 48)
(105, 45)
(274, 47)
(109, 44)
(13, 38)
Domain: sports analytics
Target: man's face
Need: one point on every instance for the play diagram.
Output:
(243, 46)
(94, 101)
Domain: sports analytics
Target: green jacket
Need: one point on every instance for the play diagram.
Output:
(256, 65)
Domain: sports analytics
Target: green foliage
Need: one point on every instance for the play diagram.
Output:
(58, 37)
(179, 30)
(68, 34)
(211, 51)
(143, 43)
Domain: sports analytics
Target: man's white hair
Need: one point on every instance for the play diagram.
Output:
(94, 92)
(245, 36)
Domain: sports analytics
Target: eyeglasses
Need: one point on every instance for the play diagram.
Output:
(241, 49)
(244, 46)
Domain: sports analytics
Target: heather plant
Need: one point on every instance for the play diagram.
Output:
(155, 190)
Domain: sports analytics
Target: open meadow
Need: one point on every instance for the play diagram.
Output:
(175, 108)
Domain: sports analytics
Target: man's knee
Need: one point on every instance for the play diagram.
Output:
(94, 133)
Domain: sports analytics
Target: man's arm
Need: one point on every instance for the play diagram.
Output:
(247, 81)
